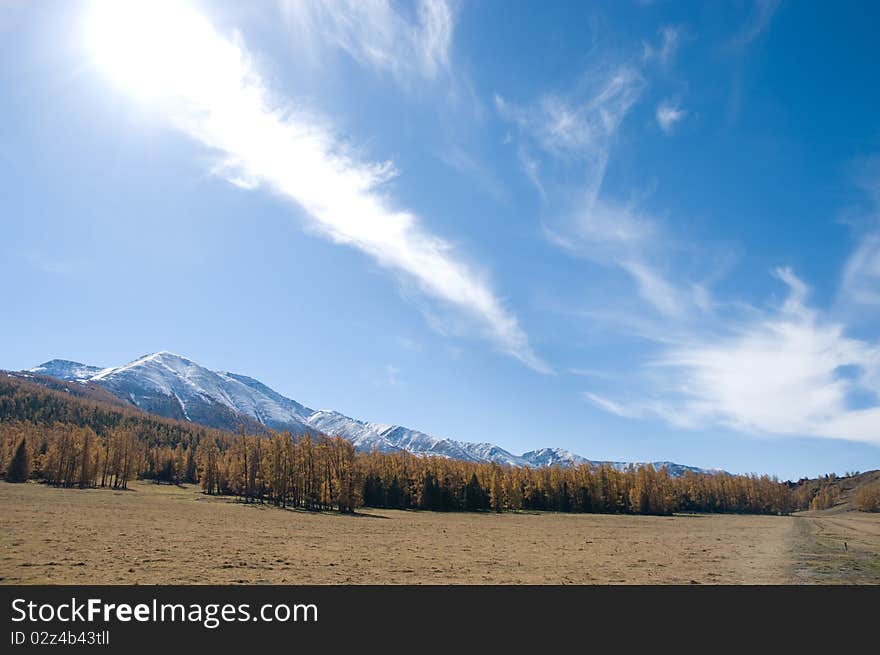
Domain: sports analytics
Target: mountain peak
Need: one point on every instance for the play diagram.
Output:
(165, 356)
(161, 354)
(171, 385)
(56, 362)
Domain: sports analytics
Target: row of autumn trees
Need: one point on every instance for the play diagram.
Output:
(867, 498)
(326, 473)
(400, 480)
(80, 442)
(317, 474)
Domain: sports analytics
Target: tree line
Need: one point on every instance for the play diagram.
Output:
(79, 442)
(402, 480)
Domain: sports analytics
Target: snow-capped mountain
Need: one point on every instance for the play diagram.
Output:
(170, 385)
(553, 456)
(66, 370)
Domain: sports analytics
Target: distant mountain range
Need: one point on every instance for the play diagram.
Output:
(175, 387)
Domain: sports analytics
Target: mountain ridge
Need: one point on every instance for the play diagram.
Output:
(174, 386)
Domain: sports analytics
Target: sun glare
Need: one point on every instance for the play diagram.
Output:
(161, 50)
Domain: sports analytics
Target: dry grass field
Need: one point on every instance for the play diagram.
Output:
(155, 534)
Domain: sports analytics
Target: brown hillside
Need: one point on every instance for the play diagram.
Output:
(843, 489)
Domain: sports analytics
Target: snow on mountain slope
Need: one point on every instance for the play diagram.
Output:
(560, 456)
(64, 369)
(363, 435)
(289, 405)
(419, 442)
(552, 457)
(388, 438)
(174, 386)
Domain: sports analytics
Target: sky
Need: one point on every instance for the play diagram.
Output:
(635, 230)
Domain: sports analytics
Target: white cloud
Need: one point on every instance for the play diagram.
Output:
(604, 229)
(620, 236)
(786, 370)
(788, 373)
(860, 284)
(611, 406)
(377, 33)
(670, 35)
(579, 126)
(640, 409)
(207, 87)
(797, 293)
(654, 288)
(861, 277)
(668, 114)
(578, 130)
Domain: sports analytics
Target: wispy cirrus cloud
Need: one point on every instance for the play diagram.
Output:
(613, 407)
(404, 40)
(576, 132)
(207, 87)
(411, 43)
(757, 22)
(860, 285)
(582, 122)
(617, 235)
(861, 277)
(664, 52)
(669, 114)
(790, 371)
(786, 369)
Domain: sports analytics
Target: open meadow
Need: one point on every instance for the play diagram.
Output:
(162, 534)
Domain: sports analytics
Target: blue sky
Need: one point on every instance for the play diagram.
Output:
(638, 231)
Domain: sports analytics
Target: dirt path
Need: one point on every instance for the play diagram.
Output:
(837, 548)
(163, 535)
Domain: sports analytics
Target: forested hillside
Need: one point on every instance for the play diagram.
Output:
(75, 439)
(860, 491)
